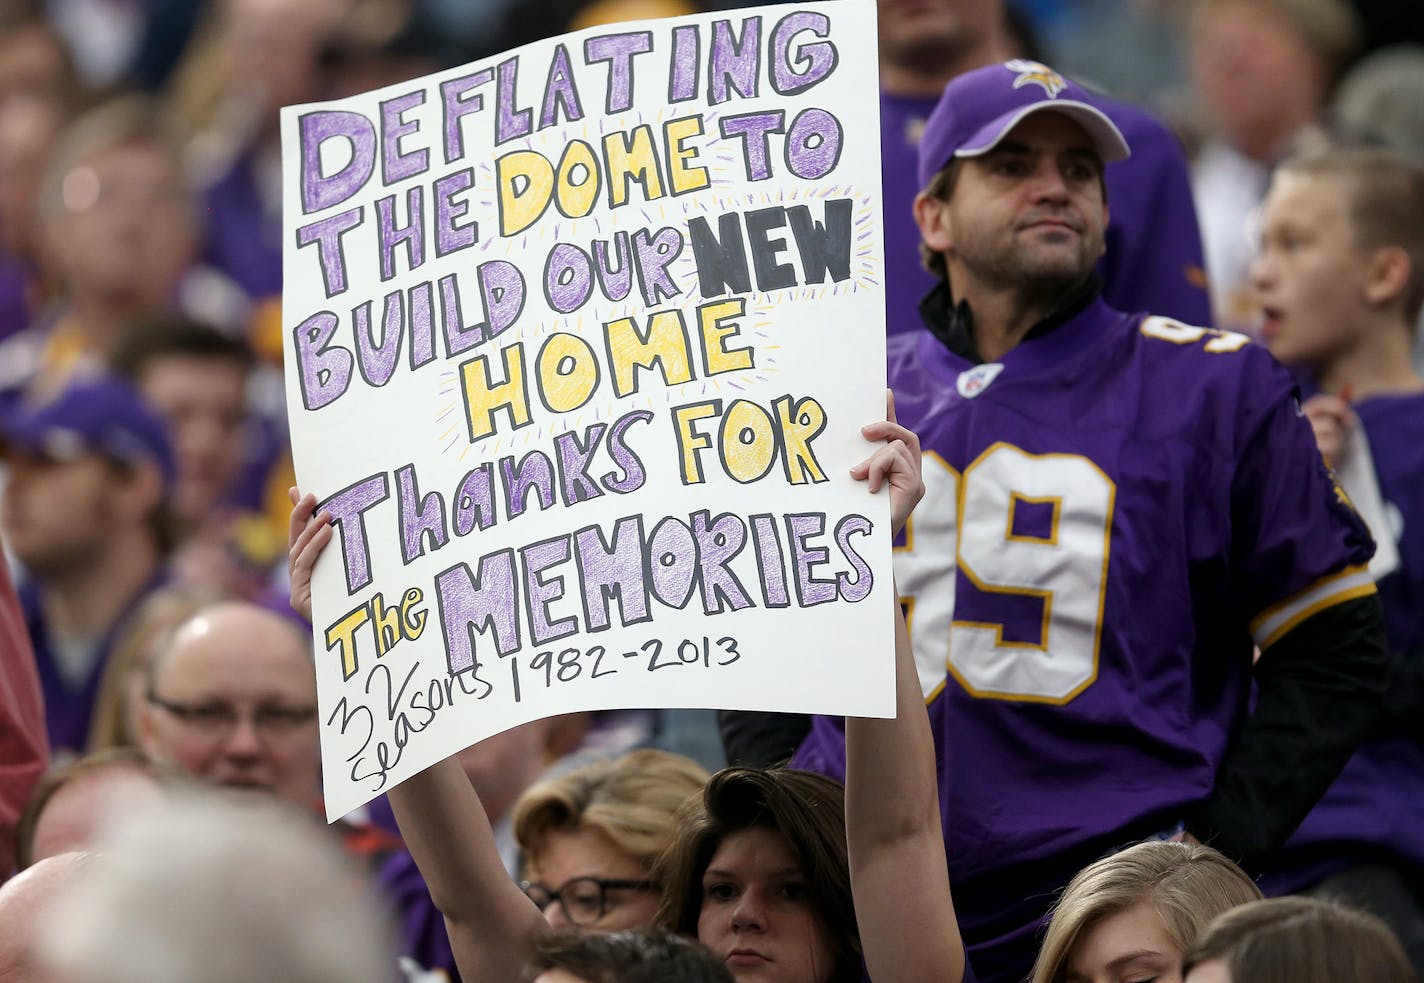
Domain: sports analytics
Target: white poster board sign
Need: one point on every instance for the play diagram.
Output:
(579, 341)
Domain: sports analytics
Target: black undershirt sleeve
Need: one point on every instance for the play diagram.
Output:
(1321, 691)
(754, 739)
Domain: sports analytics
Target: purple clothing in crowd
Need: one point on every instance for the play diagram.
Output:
(1140, 501)
(1154, 252)
(14, 306)
(242, 237)
(69, 707)
(1375, 810)
(420, 926)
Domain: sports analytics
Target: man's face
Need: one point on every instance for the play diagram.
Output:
(126, 227)
(203, 402)
(58, 515)
(1253, 71)
(911, 30)
(233, 702)
(1310, 275)
(1029, 215)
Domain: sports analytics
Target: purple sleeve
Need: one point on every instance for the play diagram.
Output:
(1154, 248)
(1299, 546)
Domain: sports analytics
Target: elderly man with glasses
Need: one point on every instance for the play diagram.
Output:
(231, 700)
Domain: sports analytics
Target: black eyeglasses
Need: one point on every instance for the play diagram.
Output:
(584, 899)
(221, 719)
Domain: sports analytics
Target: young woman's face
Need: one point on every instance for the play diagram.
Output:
(757, 913)
(1132, 946)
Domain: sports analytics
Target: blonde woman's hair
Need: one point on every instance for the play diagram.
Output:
(1188, 885)
(632, 800)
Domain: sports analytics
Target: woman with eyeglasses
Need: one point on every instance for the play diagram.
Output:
(590, 838)
(769, 869)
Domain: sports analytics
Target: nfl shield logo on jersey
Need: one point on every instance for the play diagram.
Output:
(972, 382)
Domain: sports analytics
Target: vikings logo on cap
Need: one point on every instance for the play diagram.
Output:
(1036, 73)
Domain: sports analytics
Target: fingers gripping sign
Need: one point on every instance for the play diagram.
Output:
(308, 532)
(896, 463)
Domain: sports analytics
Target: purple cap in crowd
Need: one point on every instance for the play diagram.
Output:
(979, 108)
(95, 414)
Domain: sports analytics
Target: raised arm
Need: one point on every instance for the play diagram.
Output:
(492, 925)
(899, 877)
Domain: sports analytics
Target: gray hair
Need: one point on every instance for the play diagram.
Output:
(218, 890)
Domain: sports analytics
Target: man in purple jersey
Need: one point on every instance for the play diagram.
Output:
(1340, 276)
(1153, 259)
(1154, 252)
(1118, 509)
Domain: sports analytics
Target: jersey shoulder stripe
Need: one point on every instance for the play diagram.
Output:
(1272, 624)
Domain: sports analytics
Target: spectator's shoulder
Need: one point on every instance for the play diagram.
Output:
(1142, 128)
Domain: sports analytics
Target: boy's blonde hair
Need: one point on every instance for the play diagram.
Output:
(632, 800)
(1187, 884)
(1383, 202)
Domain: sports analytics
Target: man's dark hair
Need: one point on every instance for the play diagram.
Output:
(170, 335)
(643, 956)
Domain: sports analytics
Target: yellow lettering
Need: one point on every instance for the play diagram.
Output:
(568, 372)
(748, 442)
(664, 346)
(632, 155)
(343, 636)
(525, 179)
(483, 396)
(689, 442)
(717, 325)
(800, 424)
(682, 175)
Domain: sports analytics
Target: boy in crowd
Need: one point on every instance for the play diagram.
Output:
(1340, 278)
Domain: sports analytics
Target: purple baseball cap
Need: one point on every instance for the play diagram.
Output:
(980, 107)
(94, 414)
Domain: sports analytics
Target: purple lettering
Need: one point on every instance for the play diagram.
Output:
(327, 232)
(813, 144)
(323, 191)
(672, 552)
(396, 166)
(456, 104)
(474, 500)
(449, 236)
(560, 91)
(348, 509)
(540, 592)
(618, 50)
(606, 572)
(418, 516)
(801, 527)
(568, 278)
(717, 543)
(634, 475)
(325, 369)
(478, 604)
(732, 63)
(819, 58)
(753, 129)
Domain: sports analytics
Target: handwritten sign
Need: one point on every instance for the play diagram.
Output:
(579, 341)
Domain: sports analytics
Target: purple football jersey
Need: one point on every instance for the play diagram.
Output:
(1377, 803)
(1154, 252)
(1113, 514)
